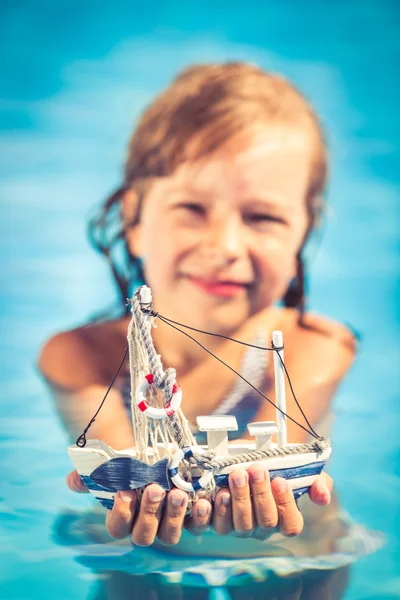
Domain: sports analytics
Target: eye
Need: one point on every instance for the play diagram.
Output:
(192, 207)
(261, 218)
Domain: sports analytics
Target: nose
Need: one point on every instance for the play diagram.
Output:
(225, 238)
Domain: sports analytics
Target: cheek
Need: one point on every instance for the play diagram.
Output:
(276, 264)
(162, 251)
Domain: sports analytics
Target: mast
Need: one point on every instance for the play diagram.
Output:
(145, 297)
(280, 393)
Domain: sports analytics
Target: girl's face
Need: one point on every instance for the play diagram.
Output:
(219, 237)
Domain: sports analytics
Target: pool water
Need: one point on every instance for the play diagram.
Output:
(74, 77)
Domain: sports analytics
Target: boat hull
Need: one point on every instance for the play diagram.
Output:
(300, 469)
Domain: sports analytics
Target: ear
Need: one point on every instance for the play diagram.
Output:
(129, 212)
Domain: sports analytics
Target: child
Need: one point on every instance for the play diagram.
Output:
(223, 185)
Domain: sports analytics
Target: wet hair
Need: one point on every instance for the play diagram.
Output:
(205, 107)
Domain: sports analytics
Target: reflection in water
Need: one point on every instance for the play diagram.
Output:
(123, 571)
(313, 585)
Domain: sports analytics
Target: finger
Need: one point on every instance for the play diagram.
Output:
(320, 491)
(290, 519)
(146, 524)
(119, 520)
(242, 509)
(222, 515)
(265, 510)
(170, 530)
(75, 483)
(200, 519)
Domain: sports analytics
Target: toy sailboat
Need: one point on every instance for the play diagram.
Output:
(165, 450)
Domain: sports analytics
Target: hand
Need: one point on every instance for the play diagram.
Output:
(251, 507)
(147, 523)
(256, 507)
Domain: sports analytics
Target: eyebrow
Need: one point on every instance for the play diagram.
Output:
(188, 190)
(265, 202)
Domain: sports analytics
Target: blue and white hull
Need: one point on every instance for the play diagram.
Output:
(300, 469)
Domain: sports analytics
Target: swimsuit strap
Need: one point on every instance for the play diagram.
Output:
(242, 401)
(253, 368)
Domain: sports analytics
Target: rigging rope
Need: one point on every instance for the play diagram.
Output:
(225, 337)
(81, 441)
(310, 431)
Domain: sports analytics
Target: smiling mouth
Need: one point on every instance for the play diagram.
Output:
(227, 289)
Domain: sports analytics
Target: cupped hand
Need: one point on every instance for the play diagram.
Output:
(252, 506)
(148, 521)
(256, 507)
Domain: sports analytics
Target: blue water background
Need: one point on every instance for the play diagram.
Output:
(73, 78)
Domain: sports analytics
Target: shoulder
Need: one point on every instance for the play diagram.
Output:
(82, 356)
(330, 346)
(329, 331)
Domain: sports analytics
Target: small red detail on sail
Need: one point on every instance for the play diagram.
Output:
(150, 377)
(169, 410)
(175, 388)
(143, 406)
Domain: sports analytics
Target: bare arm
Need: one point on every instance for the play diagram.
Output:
(76, 409)
(77, 386)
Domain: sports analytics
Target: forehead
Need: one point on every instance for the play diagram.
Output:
(275, 162)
